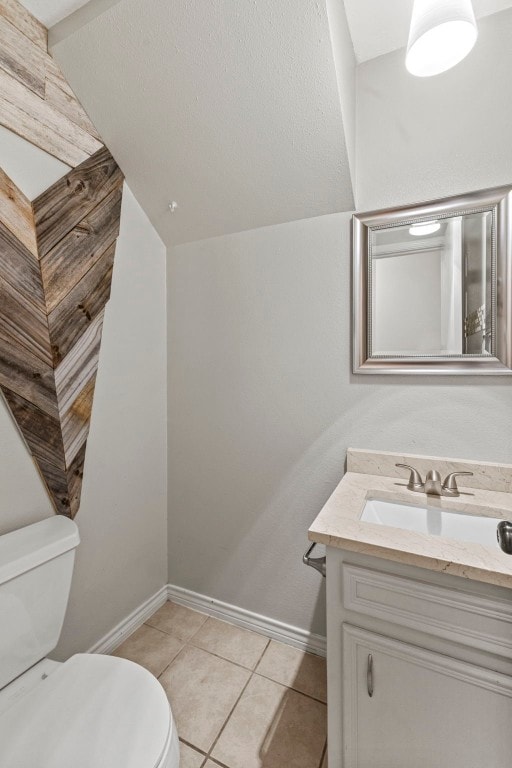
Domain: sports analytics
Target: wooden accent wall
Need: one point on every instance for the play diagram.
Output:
(36, 102)
(56, 260)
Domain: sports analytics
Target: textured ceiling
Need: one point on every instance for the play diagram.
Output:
(230, 108)
(381, 26)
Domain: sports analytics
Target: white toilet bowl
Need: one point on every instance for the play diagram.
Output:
(92, 711)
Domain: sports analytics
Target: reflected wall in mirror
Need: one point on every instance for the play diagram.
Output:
(432, 287)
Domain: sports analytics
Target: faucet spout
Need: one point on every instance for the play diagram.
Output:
(433, 485)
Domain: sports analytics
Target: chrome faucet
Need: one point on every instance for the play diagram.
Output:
(433, 485)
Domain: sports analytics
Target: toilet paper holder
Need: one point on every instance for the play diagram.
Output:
(318, 563)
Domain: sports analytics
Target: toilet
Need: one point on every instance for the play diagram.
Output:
(91, 711)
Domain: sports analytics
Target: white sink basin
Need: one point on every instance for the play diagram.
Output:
(433, 521)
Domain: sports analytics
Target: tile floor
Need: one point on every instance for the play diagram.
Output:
(239, 699)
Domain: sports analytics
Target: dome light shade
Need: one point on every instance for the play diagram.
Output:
(442, 33)
(424, 228)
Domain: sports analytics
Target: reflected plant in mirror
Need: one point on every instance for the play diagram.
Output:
(432, 287)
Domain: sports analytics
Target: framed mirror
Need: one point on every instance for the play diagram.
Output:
(432, 287)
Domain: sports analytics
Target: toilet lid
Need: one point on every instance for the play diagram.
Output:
(93, 712)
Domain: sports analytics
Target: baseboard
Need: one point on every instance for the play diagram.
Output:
(277, 630)
(115, 637)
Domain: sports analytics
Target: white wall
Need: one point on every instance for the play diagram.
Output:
(262, 406)
(423, 138)
(122, 558)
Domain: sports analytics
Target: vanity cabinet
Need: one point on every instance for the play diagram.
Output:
(419, 667)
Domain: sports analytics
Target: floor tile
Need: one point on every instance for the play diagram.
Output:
(189, 758)
(150, 648)
(232, 643)
(272, 727)
(177, 620)
(289, 666)
(202, 690)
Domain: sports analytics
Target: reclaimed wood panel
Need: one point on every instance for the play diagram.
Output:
(30, 116)
(27, 375)
(36, 102)
(55, 480)
(71, 318)
(74, 477)
(56, 260)
(67, 104)
(19, 17)
(42, 433)
(87, 242)
(63, 206)
(79, 365)
(16, 213)
(24, 322)
(22, 59)
(51, 319)
(54, 75)
(20, 268)
(76, 420)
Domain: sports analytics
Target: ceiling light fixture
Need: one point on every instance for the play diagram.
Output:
(424, 228)
(442, 33)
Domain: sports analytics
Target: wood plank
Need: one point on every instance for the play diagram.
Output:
(79, 365)
(75, 422)
(16, 213)
(69, 106)
(67, 263)
(23, 20)
(22, 58)
(81, 306)
(54, 75)
(75, 473)
(41, 433)
(58, 210)
(37, 121)
(20, 122)
(56, 482)
(24, 322)
(20, 269)
(64, 486)
(26, 375)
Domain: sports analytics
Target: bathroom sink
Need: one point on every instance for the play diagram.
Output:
(433, 521)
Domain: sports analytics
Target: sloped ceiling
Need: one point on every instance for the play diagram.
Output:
(49, 12)
(381, 26)
(229, 108)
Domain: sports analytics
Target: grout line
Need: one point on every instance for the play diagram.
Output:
(193, 746)
(230, 661)
(290, 688)
(229, 716)
(162, 631)
(172, 661)
(262, 655)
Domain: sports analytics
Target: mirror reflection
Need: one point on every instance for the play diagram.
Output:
(430, 287)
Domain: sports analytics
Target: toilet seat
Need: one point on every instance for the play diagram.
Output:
(93, 712)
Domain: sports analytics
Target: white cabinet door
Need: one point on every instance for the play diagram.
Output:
(427, 710)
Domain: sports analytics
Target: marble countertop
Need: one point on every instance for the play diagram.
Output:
(339, 525)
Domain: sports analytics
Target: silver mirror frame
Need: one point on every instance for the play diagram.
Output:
(499, 202)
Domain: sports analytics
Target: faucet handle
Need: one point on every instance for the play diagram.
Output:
(415, 482)
(450, 483)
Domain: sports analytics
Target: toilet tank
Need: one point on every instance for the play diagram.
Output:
(36, 565)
